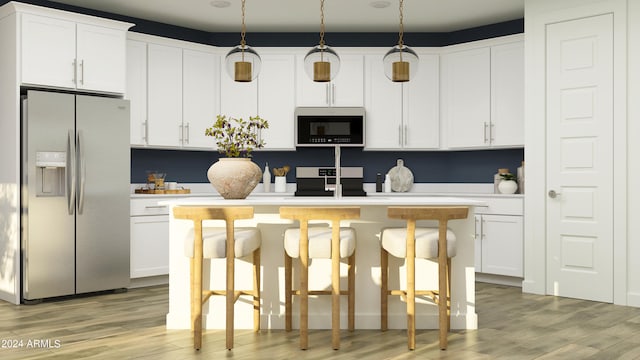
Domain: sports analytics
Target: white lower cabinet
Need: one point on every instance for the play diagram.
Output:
(499, 237)
(149, 238)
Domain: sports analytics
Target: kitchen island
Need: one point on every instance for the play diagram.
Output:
(373, 219)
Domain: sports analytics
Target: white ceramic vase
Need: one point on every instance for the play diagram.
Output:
(507, 187)
(234, 178)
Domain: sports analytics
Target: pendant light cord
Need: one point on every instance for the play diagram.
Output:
(322, 23)
(401, 34)
(243, 31)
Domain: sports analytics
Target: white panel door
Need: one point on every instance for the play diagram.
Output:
(48, 51)
(507, 94)
(238, 99)
(101, 56)
(200, 97)
(384, 107)
(164, 93)
(276, 100)
(580, 158)
(421, 111)
(137, 90)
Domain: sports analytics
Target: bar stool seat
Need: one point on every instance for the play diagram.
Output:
(320, 242)
(315, 242)
(228, 243)
(412, 242)
(394, 242)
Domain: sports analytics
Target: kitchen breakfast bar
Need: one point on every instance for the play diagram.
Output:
(373, 218)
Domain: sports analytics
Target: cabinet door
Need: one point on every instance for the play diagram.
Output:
(348, 86)
(421, 111)
(507, 94)
(466, 98)
(383, 102)
(149, 246)
(238, 99)
(137, 90)
(502, 240)
(48, 51)
(276, 100)
(200, 97)
(164, 95)
(101, 57)
(347, 89)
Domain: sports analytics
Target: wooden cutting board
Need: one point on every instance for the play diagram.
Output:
(167, 191)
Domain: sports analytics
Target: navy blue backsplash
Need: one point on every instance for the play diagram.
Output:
(476, 166)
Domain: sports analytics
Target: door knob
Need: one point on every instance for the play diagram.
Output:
(553, 194)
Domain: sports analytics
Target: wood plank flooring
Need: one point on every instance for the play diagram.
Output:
(132, 326)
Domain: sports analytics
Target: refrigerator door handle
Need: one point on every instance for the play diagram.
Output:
(81, 170)
(71, 174)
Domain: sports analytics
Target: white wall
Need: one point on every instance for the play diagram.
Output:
(9, 164)
(633, 133)
(539, 13)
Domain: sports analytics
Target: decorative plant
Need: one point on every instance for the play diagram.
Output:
(237, 137)
(508, 176)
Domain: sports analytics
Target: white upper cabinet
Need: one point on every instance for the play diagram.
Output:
(200, 97)
(62, 53)
(164, 95)
(174, 93)
(136, 91)
(507, 94)
(276, 100)
(483, 96)
(402, 115)
(347, 89)
(466, 96)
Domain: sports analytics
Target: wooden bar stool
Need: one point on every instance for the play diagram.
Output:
(428, 243)
(213, 243)
(319, 242)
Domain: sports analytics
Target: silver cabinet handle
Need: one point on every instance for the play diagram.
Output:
(155, 207)
(75, 71)
(81, 72)
(333, 94)
(181, 133)
(406, 139)
(144, 131)
(188, 136)
(327, 95)
(553, 194)
(492, 128)
(400, 135)
(485, 131)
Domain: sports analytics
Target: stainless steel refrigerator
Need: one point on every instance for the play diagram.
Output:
(75, 194)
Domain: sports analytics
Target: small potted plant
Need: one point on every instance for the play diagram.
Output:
(235, 176)
(508, 184)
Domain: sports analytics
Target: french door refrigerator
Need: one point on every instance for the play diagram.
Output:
(75, 194)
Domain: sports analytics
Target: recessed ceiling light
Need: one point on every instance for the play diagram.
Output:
(379, 4)
(220, 3)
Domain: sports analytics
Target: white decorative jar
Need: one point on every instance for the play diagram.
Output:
(507, 187)
(234, 178)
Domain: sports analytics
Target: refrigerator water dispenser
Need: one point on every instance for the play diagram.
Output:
(50, 173)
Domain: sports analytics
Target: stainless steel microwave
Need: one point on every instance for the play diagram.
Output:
(329, 126)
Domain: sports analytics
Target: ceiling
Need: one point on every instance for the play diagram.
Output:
(304, 15)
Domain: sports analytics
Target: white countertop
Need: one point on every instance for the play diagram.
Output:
(257, 200)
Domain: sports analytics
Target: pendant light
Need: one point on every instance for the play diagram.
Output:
(322, 63)
(401, 62)
(242, 62)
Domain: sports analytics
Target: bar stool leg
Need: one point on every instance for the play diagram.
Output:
(448, 294)
(352, 293)
(442, 283)
(304, 285)
(335, 286)
(196, 286)
(288, 291)
(411, 284)
(384, 288)
(256, 290)
(230, 291)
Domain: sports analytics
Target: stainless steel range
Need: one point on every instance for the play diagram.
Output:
(321, 181)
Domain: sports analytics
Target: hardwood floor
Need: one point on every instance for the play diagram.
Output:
(132, 326)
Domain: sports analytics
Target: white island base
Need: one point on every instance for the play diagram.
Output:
(367, 311)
